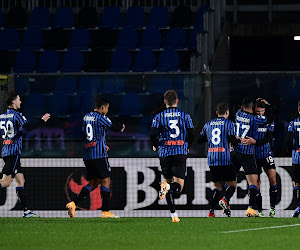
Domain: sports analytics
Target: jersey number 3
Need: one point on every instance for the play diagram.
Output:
(173, 125)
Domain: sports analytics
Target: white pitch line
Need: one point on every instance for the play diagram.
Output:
(260, 228)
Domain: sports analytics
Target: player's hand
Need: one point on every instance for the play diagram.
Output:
(107, 148)
(188, 151)
(123, 128)
(248, 141)
(154, 149)
(264, 101)
(46, 117)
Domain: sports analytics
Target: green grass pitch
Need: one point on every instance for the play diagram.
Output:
(149, 233)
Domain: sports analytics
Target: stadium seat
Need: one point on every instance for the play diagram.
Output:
(88, 17)
(168, 61)
(72, 62)
(175, 39)
(80, 39)
(63, 18)
(39, 18)
(89, 85)
(22, 85)
(160, 84)
(111, 17)
(9, 39)
(127, 39)
(42, 84)
(32, 39)
(199, 19)
(144, 61)
(104, 38)
(34, 105)
(113, 85)
(25, 62)
(58, 104)
(135, 17)
(120, 61)
(130, 105)
(66, 85)
(159, 17)
(182, 16)
(151, 39)
(192, 40)
(48, 62)
(17, 17)
(81, 104)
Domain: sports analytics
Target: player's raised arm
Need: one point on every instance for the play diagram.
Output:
(31, 126)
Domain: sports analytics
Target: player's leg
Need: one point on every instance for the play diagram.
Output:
(105, 194)
(215, 197)
(296, 192)
(259, 197)
(252, 180)
(271, 173)
(8, 171)
(176, 187)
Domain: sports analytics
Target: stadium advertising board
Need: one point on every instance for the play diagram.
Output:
(50, 183)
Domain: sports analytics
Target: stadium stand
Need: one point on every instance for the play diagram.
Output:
(48, 62)
(111, 17)
(135, 17)
(39, 18)
(9, 39)
(158, 18)
(32, 39)
(73, 61)
(64, 18)
(151, 38)
(25, 62)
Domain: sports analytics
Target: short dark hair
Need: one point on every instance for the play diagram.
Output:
(247, 102)
(100, 101)
(259, 104)
(222, 107)
(10, 96)
(170, 96)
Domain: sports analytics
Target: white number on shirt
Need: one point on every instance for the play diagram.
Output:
(8, 128)
(89, 132)
(245, 127)
(173, 125)
(216, 132)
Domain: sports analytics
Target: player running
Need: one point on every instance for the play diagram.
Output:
(219, 132)
(246, 125)
(12, 123)
(95, 156)
(294, 142)
(176, 130)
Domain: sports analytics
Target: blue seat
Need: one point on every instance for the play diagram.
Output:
(168, 61)
(199, 19)
(58, 104)
(127, 39)
(151, 39)
(32, 39)
(9, 39)
(73, 61)
(89, 85)
(111, 17)
(159, 17)
(192, 40)
(80, 39)
(135, 17)
(64, 18)
(39, 18)
(35, 105)
(130, 105)
(48, 62)
(113, 85)
(175, 39)
(66, 85)
(144, 61)
(22, 85)
(160, 84)
(120, 61)
(81, 104)
(25, 62)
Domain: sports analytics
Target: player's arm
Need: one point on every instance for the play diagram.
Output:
(203, 136)
(117, 127)
(190, 136)
(31, 126)
(233, 140)
(153, 138)
(289, 142)
(250, 141)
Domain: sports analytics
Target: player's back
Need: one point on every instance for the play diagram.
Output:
(294, 128)
(94, 127)
(217, 132)
(246, 126)
(172, 124)
(11, 130)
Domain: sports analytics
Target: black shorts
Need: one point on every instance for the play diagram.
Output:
(243, 160)
(266, 164)
(173, 165)
(12, 165)
(222, 173)
(97, 168)
(296, 173)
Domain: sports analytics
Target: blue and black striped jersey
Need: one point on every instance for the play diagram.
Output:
(94, 126)
(11, 123)
(172, 124)
(217, 131)
(294, 127)
(265, 150)
(246, 124)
